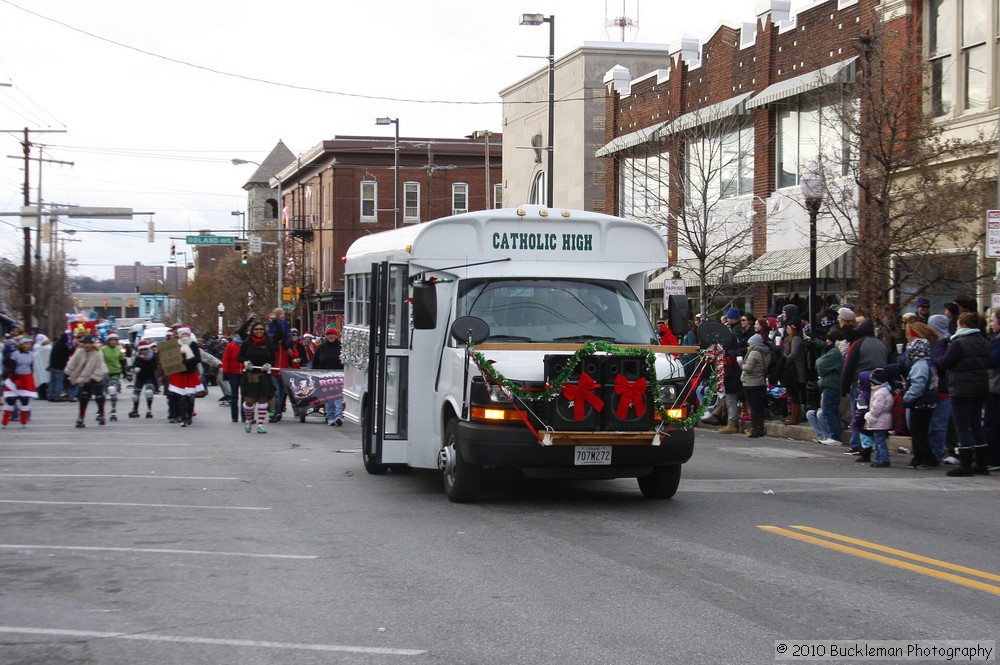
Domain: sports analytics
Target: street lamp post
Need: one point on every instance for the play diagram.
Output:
(812, 191)
(395, 179)
(222, 310)
(243, 221)
(538, 19)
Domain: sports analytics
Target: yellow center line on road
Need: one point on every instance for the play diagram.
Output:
(905, 565)
(907, 555)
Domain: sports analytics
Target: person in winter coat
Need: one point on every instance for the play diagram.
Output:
(145, 378)
(328, 357)
(42, 350)
(966, 361)
(942, 433)
(921, 397)
(878, 419)
(57, 369)
(794, 377)
(280, 333)
(187, 384)
(829, 367)
(992, 424)
(754, 379)
(232, 372)
(86, 370)
(19, 380)
(865, 354)
(731, 383)
(258, 356)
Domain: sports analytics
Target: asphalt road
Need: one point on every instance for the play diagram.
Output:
(143, 542)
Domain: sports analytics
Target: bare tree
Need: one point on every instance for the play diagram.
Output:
(910, 196)
(243, 289)
(694, 185)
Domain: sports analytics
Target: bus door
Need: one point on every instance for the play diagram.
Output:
(385, 411)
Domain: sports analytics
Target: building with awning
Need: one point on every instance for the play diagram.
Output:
(788, 265)
(839, 72)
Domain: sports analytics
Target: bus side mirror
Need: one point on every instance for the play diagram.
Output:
(469, 327)
(424, 306)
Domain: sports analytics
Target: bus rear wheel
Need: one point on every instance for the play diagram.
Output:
(461, 479)
(661, 483)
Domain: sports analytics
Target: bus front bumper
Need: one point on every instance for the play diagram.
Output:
(492, 445)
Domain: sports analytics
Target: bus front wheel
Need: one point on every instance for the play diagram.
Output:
(461, 479)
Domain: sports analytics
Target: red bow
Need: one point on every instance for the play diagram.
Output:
(632, 394)
(580, 393)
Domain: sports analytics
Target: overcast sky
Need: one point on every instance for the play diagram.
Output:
(157, 98)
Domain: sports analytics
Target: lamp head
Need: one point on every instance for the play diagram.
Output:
(386, 121)
(532, 19)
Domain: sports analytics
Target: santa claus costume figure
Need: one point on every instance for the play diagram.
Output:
(187, 384)
(19, 381)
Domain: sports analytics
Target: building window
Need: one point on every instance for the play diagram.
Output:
(812, 134)
(498, 195)
(459, 198)
(411, 201)
(643, 183)
(369, 189)
(959, 48)
(538, 190)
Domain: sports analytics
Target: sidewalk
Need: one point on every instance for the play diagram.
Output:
(803, 432)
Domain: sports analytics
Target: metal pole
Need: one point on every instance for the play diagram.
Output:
(26, 268)
(395, 181)
(552, 105)
(813, 205)
(281, 244)
(486, 135)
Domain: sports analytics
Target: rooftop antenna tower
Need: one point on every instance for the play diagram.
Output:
(622, 22)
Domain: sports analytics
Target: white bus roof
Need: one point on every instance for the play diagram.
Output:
(559, 239)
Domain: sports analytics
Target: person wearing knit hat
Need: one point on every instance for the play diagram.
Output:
(733, 315)
(328, 358)
(144, 378)
(951, 311)
(923, 309)
(845, 314)
(878, 419)
(921, 398)
(754, 378)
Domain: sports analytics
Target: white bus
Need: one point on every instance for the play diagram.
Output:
(531, 287)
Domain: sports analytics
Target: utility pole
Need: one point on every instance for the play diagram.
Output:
(26, 284)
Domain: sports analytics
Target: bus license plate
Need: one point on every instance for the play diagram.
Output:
(591, 455)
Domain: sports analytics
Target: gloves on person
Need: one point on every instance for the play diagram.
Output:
(869, 418)
(266, 367)
(247, 365)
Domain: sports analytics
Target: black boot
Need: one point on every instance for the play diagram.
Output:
(964, 467)
(981, 463)
(865, 455)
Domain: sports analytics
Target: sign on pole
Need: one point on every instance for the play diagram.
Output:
(672, 287)
(255, 244)
(210, 240)
(993, 234)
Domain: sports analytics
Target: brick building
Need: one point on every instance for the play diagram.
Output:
(343, 188)
(768, 90)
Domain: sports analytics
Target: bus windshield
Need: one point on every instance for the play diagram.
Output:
(556, 310)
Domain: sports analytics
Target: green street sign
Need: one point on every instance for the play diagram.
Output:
(210, 240)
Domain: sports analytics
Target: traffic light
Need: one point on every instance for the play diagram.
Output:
(244, 256)
(173, 253)
(287, 293)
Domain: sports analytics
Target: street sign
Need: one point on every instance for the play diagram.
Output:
(210, 240)
(993, 234)
(995, 301)
(255, 244)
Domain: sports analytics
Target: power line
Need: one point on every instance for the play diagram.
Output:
(243, 76)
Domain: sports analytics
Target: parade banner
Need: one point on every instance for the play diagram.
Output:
(309, 386)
